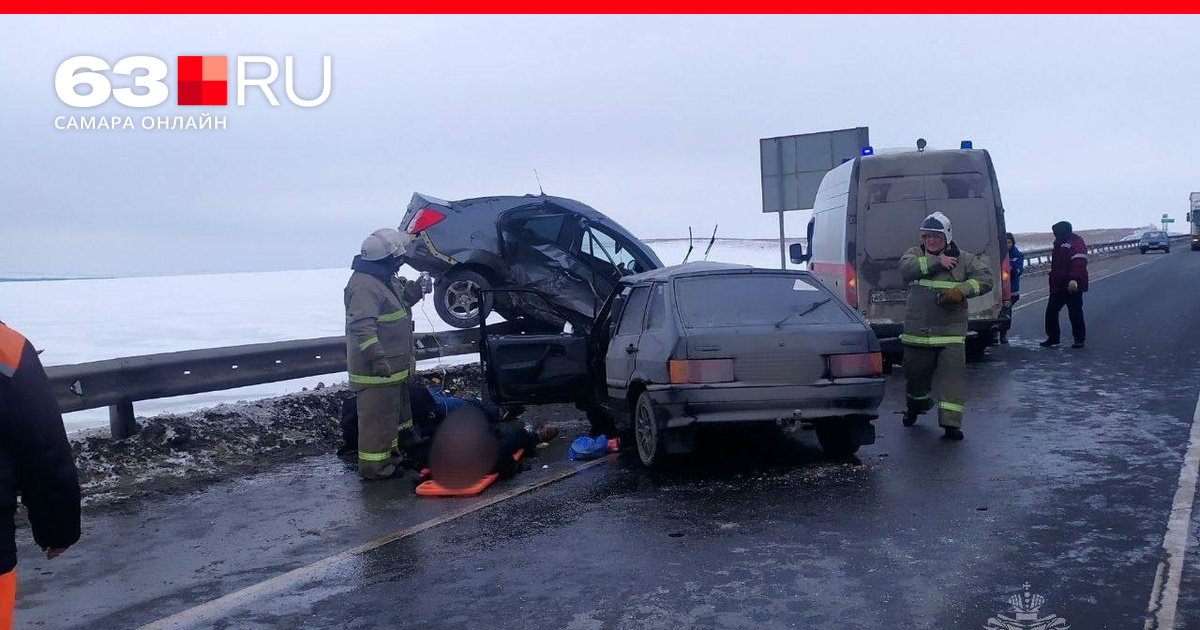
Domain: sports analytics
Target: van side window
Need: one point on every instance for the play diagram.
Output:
(635, 310)
(656, 316)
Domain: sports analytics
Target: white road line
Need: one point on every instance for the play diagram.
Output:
(1104, 277)
(1163, 600)
(212, 610)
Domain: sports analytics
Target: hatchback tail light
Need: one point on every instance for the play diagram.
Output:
(424, 219)
(851, 365)
(702, 371)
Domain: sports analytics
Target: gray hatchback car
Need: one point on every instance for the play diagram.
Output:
(683, 347)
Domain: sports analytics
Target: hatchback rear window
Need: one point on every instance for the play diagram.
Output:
(752, 300)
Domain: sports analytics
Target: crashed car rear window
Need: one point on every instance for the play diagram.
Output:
(753, 300)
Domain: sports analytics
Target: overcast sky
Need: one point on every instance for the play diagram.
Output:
(654, 121)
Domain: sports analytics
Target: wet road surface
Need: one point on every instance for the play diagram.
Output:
(1065, 482)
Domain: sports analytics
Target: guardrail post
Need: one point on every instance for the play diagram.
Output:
(120, 420)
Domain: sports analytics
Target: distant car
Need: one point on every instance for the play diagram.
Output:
(704, 344)
(561, 247)
(1155, 240)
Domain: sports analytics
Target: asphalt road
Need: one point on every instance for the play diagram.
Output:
(1066, 482)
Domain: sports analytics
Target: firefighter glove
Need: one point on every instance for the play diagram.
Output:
(1073, 286)
(950, 298)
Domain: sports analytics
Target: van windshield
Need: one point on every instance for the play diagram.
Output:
(752, 300)
(897, 205)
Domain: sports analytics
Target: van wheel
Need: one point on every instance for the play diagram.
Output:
(834, 438)
(458, 297)
(647, 433)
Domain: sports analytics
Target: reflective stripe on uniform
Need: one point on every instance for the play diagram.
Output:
(395, 442)
(394, 316)
(362, 379)
(945, 340)
(921, 397)
(975, 285)
(924, 265)
(404, 426)
(369, 456)
(1083, 256)
(936, 284)
(949, 406)
(366, 344)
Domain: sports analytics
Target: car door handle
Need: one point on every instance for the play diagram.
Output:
(631, 349)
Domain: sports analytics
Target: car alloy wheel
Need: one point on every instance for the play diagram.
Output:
(462, 299)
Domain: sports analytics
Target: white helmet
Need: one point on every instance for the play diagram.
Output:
(938, 223)
(384, 243)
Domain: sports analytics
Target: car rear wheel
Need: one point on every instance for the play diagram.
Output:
(1143, 250)
(835, 439)
(647, 432)
(459, 298)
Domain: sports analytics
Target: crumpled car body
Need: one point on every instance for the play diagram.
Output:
(560, 247)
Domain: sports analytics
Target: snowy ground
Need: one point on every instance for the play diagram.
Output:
(74, 321)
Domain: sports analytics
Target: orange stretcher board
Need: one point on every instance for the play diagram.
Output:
(432, 488)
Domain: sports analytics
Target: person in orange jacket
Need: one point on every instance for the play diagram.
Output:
(35, 463)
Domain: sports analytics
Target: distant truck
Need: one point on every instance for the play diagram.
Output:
(865, 217)
(1193, 219)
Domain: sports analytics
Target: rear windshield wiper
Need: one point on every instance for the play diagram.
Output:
(811, 307)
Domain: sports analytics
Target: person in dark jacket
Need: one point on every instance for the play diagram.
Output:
(1068, 283)
(35, 463)
(1016, 267)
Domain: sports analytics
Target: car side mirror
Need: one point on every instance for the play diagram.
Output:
(796, 252)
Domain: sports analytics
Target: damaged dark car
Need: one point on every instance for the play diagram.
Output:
(559, 247)
(680, 348)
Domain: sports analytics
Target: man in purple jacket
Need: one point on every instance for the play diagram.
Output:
(1068, 283)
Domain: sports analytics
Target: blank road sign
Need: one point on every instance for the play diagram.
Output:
(793, 166)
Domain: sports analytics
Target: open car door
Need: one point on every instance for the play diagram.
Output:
(534, 368)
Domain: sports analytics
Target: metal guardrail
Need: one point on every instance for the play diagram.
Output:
(1036, 259)
(118, 383)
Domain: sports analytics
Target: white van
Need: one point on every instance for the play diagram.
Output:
(866, 215)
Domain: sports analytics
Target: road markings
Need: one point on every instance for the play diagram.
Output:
(212, 610)
(1104, 277)
(1165, 595)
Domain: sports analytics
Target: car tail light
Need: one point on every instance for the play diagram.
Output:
(851, 286)
(425, 219)
(702, 371)
(850, 365)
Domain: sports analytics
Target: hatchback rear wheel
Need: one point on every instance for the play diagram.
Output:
(647, 432)
(835, 439)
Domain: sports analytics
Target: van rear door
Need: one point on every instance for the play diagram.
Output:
(887, 227)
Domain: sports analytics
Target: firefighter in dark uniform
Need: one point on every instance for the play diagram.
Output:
(379, 350)
(940, 278)
(35, 463)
